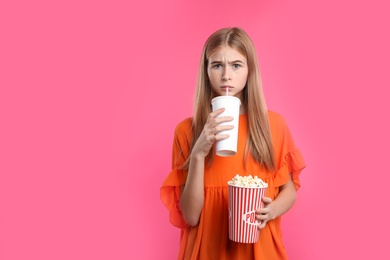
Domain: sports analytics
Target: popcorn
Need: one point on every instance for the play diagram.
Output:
(248, 181)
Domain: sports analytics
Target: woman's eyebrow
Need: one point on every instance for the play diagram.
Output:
(230, 62)
(236, 61)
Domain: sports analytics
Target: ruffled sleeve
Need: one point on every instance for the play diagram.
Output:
(292, 163)
(288, 157)
(170, 189)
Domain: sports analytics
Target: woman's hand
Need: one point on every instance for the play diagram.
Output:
(263, 215)
(280, 205)
(210, 133)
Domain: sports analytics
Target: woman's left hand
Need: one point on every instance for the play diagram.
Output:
(263, 215)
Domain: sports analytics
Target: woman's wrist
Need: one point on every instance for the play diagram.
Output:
(197, 156)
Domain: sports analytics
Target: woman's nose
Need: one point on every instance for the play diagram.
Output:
(226, 75)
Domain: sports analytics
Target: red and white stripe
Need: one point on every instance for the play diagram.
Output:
(242, 203)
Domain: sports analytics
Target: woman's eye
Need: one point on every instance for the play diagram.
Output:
(236, 66)
(217, 66)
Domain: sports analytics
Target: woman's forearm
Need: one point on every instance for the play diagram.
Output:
(284, 201)
(192, 195)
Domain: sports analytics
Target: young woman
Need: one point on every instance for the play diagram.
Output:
(195, 191)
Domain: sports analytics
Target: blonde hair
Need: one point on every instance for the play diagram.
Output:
(259, 142)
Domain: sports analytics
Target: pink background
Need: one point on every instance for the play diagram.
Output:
(90, 93)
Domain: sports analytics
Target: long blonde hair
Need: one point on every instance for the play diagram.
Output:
(259, 142)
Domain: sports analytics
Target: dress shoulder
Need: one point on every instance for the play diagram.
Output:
(184, 125)
(276, 119)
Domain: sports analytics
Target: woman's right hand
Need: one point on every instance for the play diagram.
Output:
(210, 133)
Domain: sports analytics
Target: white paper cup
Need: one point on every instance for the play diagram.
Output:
(242, 204)
(228, 147)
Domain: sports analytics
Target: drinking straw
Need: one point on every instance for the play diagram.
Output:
(227, 91)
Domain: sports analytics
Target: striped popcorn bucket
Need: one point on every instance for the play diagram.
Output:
(243, 201)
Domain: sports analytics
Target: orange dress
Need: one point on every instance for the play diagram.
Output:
(210, 238)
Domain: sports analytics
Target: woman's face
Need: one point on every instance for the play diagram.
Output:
(227, 70)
